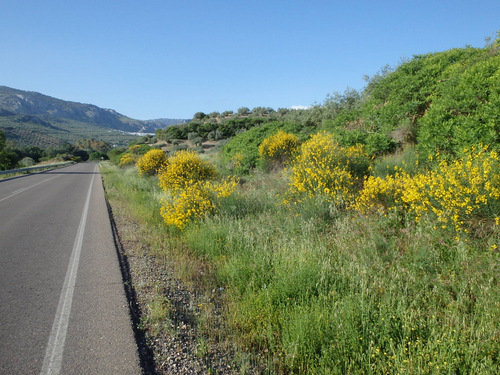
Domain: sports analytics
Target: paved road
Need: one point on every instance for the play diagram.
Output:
(62, 303)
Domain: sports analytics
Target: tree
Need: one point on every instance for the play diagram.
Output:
(2, 141)
(260, 111)
(8, 158)
(243, 111)
(199, 116)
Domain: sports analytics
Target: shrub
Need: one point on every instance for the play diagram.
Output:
(139, 149)
(325, 168)
(379, 144)
(126, 160)
(278, 149)
(185, 168)
(97, 155)
(454, 192)
(26, 162)
(151, 162)
(247, 143)
(195, 201)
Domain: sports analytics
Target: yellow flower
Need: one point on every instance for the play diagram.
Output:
(151, 162)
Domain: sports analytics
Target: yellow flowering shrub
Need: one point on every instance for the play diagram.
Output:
(325, 168)
(279, 148)
(135, 149)
(126, 160)
(195, 201)
(151, 162)
(192, 191)
(185, 168)
(454, 192)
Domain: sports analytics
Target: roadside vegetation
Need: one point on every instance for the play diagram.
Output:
(358, 236)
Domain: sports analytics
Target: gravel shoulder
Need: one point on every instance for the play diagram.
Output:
(178, 329)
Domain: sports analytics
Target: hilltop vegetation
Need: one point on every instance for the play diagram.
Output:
(362, 235)
(439, 101)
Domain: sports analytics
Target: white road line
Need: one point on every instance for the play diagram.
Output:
(26, 188)
(53, 355)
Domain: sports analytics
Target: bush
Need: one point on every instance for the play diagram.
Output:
(325, 168)
(247, 143)
(195, 201)
(151, 162)
(185, 168)
(126, 160)
(96, 155)
(116, 154)
(278, 149)
(379, 144)
(139, 149)
(454, 193)
(26, 162)
(192, 191)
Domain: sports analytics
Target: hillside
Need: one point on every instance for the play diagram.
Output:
(33, 119)
(442, 101)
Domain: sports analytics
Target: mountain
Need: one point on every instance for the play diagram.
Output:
(161, 123)
(31, 118)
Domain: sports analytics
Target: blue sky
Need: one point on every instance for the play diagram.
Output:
(160, 58)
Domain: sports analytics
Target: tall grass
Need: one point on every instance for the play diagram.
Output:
(345, 293)
(315, 290)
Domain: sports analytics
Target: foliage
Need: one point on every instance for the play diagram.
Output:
(191, 190)
(246, 144)
(8, 158)
(406, 160)
(151, 162)
(465, 108)
(139, 149)
(195, 201)
(455, 193)
(185, 168)
(127, 160)
(26, 162)
(379, 144)
(116, 154)
(96, 155)
(450, 98)
(92, 145)
(279, 148)
(323, 168)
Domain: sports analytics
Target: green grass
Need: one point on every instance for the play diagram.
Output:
(311, 289)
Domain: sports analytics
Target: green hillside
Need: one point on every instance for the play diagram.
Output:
(438, 101)
(43, 132)
(32, 119)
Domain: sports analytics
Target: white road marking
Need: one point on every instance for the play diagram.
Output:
(54, 353)
(26, 188)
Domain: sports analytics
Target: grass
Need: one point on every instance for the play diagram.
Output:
(311, 289)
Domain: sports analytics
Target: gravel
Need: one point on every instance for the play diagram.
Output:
(177, 343)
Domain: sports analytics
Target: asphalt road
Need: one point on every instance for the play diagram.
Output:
(63, 308)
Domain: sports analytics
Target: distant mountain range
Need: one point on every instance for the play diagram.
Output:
(33, 119)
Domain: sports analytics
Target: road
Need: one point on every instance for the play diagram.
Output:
(63, 308)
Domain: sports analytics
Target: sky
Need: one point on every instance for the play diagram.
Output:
(151, 59)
